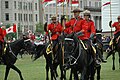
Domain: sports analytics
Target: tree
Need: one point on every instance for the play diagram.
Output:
(39, 28)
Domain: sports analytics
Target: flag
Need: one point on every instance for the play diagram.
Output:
(47, 1)
(51, 2)
(60, 4)
(11, 29)
(106, 3)
(60, 1)
(75, 1)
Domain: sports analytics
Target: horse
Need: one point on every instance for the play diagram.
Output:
(10, 54)
(52, 61)
(112, 51)
(78, 59)
(99, 53)
(53, 58)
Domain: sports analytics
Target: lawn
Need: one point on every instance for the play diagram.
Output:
(36, 70)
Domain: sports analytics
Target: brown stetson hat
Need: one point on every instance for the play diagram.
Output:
(53, 17)
(76, 10)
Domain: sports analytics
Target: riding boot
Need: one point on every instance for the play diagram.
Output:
(93, 52)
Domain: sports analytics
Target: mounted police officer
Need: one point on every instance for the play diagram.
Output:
(82, 26)
(117, 30)
(55, 29)
(74, 25)
(88, 30)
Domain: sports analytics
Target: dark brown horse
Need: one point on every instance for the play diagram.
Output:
(10, 56)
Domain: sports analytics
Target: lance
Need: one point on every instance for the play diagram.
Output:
(62, 46)
(111, 22)
(110, 19)
(56, 9)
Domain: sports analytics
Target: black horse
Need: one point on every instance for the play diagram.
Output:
(53, 59)
(78, 59)
(10, 55)
(112, 51)
(99, 53)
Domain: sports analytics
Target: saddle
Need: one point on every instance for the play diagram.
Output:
(49, 49)
(85, 46)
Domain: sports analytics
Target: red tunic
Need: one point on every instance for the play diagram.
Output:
(1, 35)
(74, 25)
(88, 28)
(55, 29)
(117, 27)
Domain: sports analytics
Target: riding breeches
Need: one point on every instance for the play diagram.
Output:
(90, 49)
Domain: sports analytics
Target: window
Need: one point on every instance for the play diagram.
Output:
(21, 17)
(6, 4)
(80, 4)
(36, 17)
(24, 6)
(31, 17)
(90, 3)
(24, 17)
(18, 16)
(15, 16)
(20, 5)
(15, 4)
(29, 6)
(7, 16)
(35, 6)
(100, 4)
(96, 4)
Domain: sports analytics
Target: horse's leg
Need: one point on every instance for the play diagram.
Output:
(110, 53)
(92, 71)
(47, 70)
(84, 73)
(16, 69)
(55, 68)
(113, 68)
(119, 59)
(76, 75)
(98, 72)
(71, 74)
(7, 72)
(63, 73)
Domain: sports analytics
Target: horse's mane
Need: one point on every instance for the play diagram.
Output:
(15, 42)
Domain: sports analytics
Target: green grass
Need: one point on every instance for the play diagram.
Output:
(36, 70)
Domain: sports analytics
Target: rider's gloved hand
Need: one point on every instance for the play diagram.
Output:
(91, 37)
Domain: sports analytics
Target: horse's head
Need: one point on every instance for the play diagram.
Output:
(28, 45)
(69, 50)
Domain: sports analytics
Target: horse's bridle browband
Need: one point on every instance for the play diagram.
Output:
(26, 40)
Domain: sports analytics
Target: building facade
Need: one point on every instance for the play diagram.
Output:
(24, 13)
(93, 5)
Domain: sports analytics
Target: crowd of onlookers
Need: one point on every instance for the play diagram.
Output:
(106, 40)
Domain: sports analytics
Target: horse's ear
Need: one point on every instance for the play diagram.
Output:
(45, 27)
